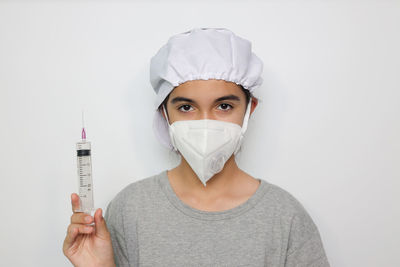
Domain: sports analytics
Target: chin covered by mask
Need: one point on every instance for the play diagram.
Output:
(207, 144)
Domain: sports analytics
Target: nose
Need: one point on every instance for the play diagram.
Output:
(205, 115)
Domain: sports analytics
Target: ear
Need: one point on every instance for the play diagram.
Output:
(162, 111)
(254, 103)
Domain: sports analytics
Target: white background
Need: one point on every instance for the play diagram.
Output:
(326, 129)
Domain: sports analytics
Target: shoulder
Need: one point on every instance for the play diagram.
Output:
(283, 199)
(291, 211)
(139, 187)
(133, 193)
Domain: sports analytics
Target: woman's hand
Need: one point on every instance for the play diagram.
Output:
(88, 245)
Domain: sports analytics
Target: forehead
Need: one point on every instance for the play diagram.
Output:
(210, 88)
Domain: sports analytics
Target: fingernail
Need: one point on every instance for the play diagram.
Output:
(88, 218)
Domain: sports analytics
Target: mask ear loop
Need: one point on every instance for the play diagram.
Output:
(166, 116)
(244, 126)
(169, 129)
(246, 117)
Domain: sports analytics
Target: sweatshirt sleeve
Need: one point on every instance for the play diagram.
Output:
(115, 224)
(305, 248)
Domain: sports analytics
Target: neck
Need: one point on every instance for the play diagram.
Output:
(186, 180)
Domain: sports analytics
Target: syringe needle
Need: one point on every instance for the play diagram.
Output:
(83, 128)
(83, 134)
(83, 124)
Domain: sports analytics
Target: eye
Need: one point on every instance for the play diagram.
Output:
(185, 107)
(225, 106)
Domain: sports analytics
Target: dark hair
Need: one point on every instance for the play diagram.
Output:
(245, 91)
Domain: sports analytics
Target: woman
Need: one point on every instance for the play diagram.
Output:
(206, 211)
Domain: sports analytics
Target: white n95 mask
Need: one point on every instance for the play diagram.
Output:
(207, 144)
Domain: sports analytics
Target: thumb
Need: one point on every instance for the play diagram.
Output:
(101, 227)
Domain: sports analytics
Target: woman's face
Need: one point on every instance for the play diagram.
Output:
(208, 99)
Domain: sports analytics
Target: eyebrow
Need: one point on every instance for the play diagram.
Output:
(184, 99)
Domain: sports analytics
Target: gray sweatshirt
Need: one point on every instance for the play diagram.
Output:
(151, 226)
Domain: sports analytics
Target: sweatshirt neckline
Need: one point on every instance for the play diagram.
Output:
(211, 215)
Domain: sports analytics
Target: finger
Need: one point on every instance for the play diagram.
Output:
(72, 233)
(81, 218)
(82, 229)
(69, 240)
(101, 227)
(75, 202)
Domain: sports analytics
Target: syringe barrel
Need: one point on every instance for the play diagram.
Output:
(85, 182)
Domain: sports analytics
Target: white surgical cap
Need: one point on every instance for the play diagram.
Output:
(201, 54)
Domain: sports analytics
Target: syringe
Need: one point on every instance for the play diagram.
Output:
(85, 181)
